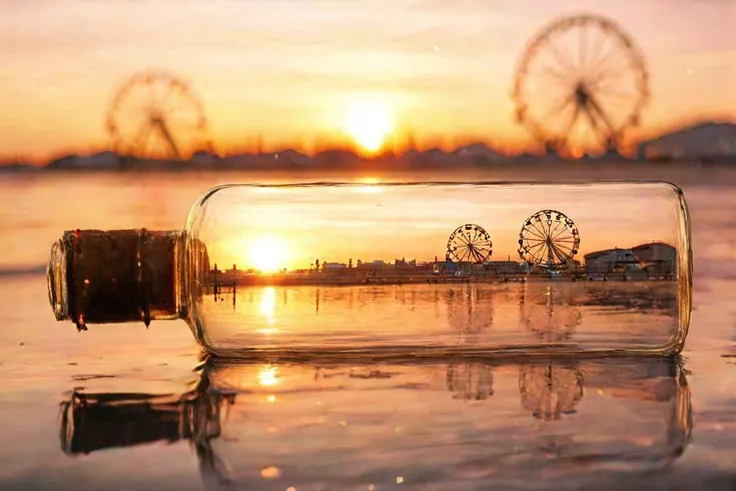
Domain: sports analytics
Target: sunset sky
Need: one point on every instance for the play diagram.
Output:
(262, 228)
(293, 70)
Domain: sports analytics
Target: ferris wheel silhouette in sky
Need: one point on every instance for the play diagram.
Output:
(155, 115)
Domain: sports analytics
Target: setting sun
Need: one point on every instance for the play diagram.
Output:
(369, 125)
(268, 254)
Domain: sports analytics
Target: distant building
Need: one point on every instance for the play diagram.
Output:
(403, 263)
(377, 263)
(505, 267)
(658, 259)
(705, 141)
(609, 261)
(445, 267)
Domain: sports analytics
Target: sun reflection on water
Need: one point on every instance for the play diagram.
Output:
(267, 308)
(268, 375)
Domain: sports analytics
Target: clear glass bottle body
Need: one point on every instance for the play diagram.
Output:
(437, 268)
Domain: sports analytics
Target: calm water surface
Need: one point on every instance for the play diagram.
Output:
(125, 407)
(471, 317)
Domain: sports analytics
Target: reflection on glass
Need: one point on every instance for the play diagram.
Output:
(550, 391)
(470, 382)
(549, 311)
(356, 425)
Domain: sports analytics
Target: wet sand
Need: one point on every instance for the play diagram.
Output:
(451, 425)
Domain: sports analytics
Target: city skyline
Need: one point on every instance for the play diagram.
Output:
(273, 255)
(441, 73)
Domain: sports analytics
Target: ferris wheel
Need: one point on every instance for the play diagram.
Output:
(549, 239)
(156, 115)
(469, 243)
(581, 84)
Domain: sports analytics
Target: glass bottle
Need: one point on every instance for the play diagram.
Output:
(281, 426)
(393, 269)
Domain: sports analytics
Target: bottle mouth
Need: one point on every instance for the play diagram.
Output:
(104, 276)
(56, 280)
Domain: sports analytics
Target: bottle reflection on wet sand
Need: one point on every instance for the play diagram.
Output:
(279, 426)
(549, 391)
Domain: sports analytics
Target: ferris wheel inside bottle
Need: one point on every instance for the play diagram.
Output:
(399, 269)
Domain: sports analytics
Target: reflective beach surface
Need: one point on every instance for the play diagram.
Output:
(125, 407)
(459, 425)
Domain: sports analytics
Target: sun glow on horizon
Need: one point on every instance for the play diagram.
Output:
(369, 124)
(268, 254)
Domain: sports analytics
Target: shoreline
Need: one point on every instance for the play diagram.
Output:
(414, 280)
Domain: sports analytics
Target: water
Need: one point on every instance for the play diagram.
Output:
(444, 424)
(474, 317)
(457, 425)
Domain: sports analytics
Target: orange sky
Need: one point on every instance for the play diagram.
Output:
(291, 69)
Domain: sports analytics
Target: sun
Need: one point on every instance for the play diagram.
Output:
(369, 124)
(268, 254)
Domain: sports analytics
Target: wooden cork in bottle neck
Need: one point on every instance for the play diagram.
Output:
(100, 276)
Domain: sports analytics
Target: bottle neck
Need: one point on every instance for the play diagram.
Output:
(99, 276)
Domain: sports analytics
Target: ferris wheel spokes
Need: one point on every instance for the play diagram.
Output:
(604, 77)
(608, 135)
(469, 243)
(548, 238)
(155, 115)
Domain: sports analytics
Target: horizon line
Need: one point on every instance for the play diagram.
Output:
(391, 147)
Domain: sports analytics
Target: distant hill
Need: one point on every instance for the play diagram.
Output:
(479, 152)
(102, 160)
(705, 141)
(287, 159)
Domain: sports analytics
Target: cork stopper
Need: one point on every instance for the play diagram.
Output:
(99, 276)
